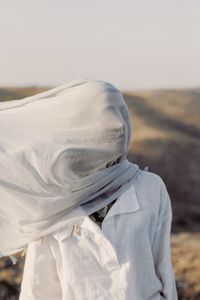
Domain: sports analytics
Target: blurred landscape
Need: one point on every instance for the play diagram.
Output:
(166, 138)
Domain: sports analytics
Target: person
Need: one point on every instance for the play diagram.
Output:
(93, 225)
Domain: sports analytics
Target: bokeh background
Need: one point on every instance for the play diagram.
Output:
(149, 50)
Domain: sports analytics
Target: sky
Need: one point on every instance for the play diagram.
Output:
(134, 44)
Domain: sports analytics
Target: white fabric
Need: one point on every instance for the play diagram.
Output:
(129, 259)
(54, 151)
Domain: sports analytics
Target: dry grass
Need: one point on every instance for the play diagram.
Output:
(166, 137)
(186, 263)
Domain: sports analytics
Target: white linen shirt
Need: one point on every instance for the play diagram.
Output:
(129, 258)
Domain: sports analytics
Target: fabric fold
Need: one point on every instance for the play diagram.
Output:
(56, 154)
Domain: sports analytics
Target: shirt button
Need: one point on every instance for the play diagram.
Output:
(76, 230)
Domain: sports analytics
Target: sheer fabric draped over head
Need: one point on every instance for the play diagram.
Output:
(57, 154)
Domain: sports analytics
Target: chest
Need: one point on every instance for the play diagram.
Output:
(125, 236)
(114, 246)
(117, 251)
(123, 228)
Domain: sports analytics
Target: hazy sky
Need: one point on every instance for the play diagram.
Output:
(134, 44)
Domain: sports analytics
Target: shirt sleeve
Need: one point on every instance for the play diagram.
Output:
(161, 247)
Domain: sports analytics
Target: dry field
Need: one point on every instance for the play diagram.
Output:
(165, 137)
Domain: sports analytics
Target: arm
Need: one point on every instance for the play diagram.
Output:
(161, 247)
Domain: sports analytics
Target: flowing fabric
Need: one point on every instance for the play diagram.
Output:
(57, 150)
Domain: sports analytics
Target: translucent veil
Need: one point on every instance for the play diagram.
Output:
(56, 154)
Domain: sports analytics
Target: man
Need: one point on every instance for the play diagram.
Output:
(95, 225)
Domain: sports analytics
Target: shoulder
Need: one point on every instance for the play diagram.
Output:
(149, 181)
(153, 194)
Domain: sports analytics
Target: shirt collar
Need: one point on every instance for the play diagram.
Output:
(127, 202)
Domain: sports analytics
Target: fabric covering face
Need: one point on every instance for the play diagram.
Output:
(57, 150)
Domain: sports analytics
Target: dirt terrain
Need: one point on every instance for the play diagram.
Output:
(166, 138)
